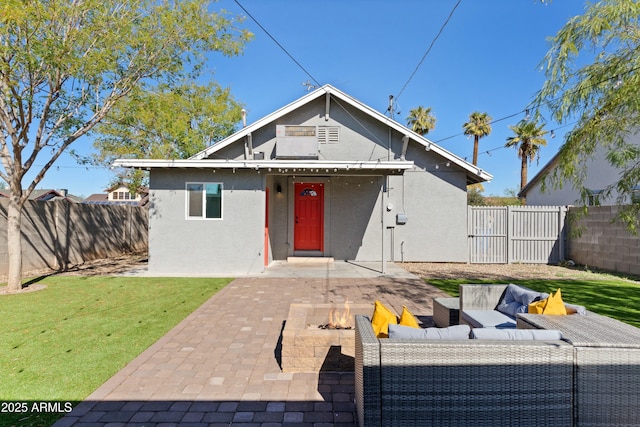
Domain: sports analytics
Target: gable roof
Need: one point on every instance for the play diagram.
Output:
(480, 175)
(474, 173)
(542, 173)
(96, 198)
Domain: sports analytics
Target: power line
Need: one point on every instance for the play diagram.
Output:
(277, 43)
(488, 152)
(491, 122)
(429, 49)
(617, 77)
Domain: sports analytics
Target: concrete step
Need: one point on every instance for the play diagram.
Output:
(309, 260)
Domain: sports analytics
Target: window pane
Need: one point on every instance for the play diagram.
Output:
(195, 200)
(214, 201)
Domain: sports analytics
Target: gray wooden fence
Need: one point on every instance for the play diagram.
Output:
(509, 234)
(58, 233)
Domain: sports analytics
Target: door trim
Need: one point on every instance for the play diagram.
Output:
(292, 180)
(308, 210)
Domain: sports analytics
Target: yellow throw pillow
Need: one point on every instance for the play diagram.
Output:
(408, 319)
(555, 305)
(537, 307)
(380, 320)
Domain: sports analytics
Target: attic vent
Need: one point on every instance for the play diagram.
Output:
(328, 134)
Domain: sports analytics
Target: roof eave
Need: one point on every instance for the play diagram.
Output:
(542, 173)
(148, 164)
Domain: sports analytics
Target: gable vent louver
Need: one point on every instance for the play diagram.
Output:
(328, 134)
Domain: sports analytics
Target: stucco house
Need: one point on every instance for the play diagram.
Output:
(325, 176)
(119, 194)
(600, 174)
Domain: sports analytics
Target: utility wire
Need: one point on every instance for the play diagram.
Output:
(491, 122)
(277, 43)
(444, 25)
(573, 91)
(429, 49)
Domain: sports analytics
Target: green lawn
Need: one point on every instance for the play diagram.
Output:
(61, 343)
(611, 297)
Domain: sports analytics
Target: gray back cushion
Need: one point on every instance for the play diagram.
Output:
(516, 300)
(457, 332)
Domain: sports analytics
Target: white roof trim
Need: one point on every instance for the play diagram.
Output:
(343, 165)
(480, 173)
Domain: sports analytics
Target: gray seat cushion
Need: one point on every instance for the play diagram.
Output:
(488, 319)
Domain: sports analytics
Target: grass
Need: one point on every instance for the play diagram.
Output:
(61, 343)
(609, 296)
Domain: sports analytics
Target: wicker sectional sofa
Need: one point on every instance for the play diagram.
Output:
(589, 378)
(606, 354)
(464, 382)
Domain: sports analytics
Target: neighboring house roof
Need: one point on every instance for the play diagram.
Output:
(97, 198)
(103, 199)
(141, 190)
(46, 195)
(540, 176)
(600, 174)
(200, 160)
(113, 202)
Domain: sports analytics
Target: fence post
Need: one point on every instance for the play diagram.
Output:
(562, 214)
(60, 234)
(509, 234)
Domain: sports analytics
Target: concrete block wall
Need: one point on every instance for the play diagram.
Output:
(605, 243)
(57, 234)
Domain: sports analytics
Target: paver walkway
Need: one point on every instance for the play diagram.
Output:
(220, 366)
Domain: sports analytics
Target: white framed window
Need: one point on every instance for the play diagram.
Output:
(593, 197)
(204, 200)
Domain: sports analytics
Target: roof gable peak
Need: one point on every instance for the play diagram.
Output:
(342, 97)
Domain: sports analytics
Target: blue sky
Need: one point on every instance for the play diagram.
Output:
(486, 59)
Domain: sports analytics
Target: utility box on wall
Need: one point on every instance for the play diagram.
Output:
(401, 218)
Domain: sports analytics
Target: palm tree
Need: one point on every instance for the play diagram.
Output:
(479, 125)
(528, 139)
(421, 120)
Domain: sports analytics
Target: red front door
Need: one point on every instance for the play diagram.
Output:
(308, 233)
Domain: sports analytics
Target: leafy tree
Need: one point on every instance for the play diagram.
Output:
(167, 122)
(479, 125)
(421, 120)
(475, 197)
(527, 140)
(164, 122)
(592, 78)
(65, 64)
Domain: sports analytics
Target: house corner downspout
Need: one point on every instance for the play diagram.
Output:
(383, 199)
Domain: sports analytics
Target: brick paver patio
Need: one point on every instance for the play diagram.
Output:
(220, 366)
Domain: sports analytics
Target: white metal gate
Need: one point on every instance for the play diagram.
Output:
(507, 234)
